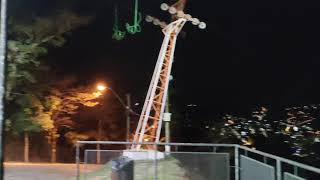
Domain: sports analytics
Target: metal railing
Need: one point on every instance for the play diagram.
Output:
(280, 167)
(279, 161)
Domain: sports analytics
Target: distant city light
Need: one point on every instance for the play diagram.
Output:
(192, 105)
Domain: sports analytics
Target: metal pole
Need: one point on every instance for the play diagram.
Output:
(78, 160)
(278, 166)
(265, 159)
(214, 149)
(167, 134)
(236, 162)
(128, 119)
(167, 126)
(99, 139)
(118, 97)
(295, 170)
(3, 54)
(85, 163)
(156, 162)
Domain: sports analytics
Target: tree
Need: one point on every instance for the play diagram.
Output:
(30, 117)
(61, 106)
(27, 43)
(30, 41)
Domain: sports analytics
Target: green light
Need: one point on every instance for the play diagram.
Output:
(117, 34)
(135, 28)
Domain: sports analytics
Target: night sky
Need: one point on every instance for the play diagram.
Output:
(252, 53)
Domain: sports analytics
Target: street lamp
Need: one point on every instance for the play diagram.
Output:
(101, 87)
(127, 106)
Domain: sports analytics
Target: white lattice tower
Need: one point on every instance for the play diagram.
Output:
(150, 122)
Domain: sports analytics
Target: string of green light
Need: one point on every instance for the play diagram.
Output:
(117, 34)
(135, 28)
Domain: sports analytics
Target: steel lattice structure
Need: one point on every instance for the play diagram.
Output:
(150, 122)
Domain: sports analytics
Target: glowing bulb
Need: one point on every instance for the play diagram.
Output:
(287, 129)
(101, 87)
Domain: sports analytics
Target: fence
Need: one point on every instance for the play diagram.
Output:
(193, 161)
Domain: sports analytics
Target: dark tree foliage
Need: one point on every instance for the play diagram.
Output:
(28, 78)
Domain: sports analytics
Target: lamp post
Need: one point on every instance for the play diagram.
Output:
(128, 120)
(128, 110)
(100, 89)
(126, 105)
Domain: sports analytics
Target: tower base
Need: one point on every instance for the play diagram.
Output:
(143, 154)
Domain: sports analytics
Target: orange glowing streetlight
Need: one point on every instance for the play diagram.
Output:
(101, 87)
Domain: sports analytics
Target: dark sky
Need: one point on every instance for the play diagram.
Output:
(252, 53)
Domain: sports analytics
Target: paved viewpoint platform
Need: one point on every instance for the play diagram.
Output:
(39, 171)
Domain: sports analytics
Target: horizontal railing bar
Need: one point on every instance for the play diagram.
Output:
(159, 144)
(173, 152)
(194, 152)
(290, 162)
(293, 163)
(101, 150)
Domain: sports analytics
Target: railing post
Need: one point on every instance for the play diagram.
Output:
(295, 170)
(278, 169)
(3, 55)
(265, 160)
(236, 162)
(78, 160)
(156, 162)
(85, 163)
